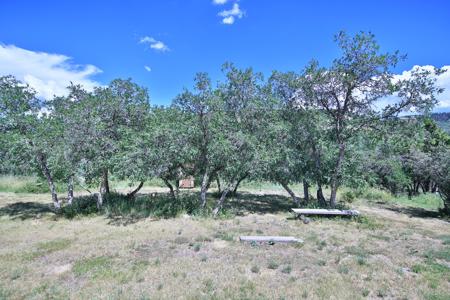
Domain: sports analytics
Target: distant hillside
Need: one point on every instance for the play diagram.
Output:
(442, 120)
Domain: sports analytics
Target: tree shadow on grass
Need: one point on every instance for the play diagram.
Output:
(26, 210)
(122, 212)
(417, 212)
(260, 204)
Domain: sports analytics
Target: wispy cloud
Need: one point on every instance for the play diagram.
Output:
(229, 16)
(147, 68)
(154, 44)
(220, 2)
(49, 74)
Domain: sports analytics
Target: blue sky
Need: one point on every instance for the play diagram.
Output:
(109, 39)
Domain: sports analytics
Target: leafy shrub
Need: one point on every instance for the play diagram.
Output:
(348, 196)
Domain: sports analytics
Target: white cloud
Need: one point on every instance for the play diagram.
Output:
(442, 81)
(154, 44)
(228, 20)
(49, 74)
(220, 2)
(229, 16)
(148, 68)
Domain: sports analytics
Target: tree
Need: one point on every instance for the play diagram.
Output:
(201, 109)
(349, 90)
(241, 111)
(162, 149)
(305, 139)
(25, 123)
(440, 173)
(98, 121)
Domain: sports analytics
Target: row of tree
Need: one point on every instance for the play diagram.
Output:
(324, 126)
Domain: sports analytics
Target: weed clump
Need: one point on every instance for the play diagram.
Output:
(287, 269)
(273, 265)
(254, 269)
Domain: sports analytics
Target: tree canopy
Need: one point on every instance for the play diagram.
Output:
(325, 126)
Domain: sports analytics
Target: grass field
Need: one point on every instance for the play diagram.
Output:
(395, 250)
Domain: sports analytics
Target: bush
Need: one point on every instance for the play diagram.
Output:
(348, 196)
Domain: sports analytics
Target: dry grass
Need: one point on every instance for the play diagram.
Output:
(384, 254)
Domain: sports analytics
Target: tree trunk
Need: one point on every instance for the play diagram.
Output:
(416, 187)
(335, 179)
(306, 190)
(291, 193)
(177, 186)
(204, 189)
(105, 180)
(171, 189)
(135, 191)
(218, 184)
(320, 197)
(239, 183)
(45, 170)
(104, 189)
(70, 190)
(433, 187)
(318, 165)
(221, 200)
(99, 200)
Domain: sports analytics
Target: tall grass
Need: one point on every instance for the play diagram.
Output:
(36, 185)
(427, 201)
(23, 184)
(143, 206)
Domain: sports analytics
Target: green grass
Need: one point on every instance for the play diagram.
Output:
(439, 254)
(55, 245)
(45, 248)
(118, 205)
(186, 257)
(22, 184)
(425, 201)
(367, 222)
(445, 239)
(357, 251)
(97, 267)
(125, 184)
(226, 236)
(36, 185)
(105, 268)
